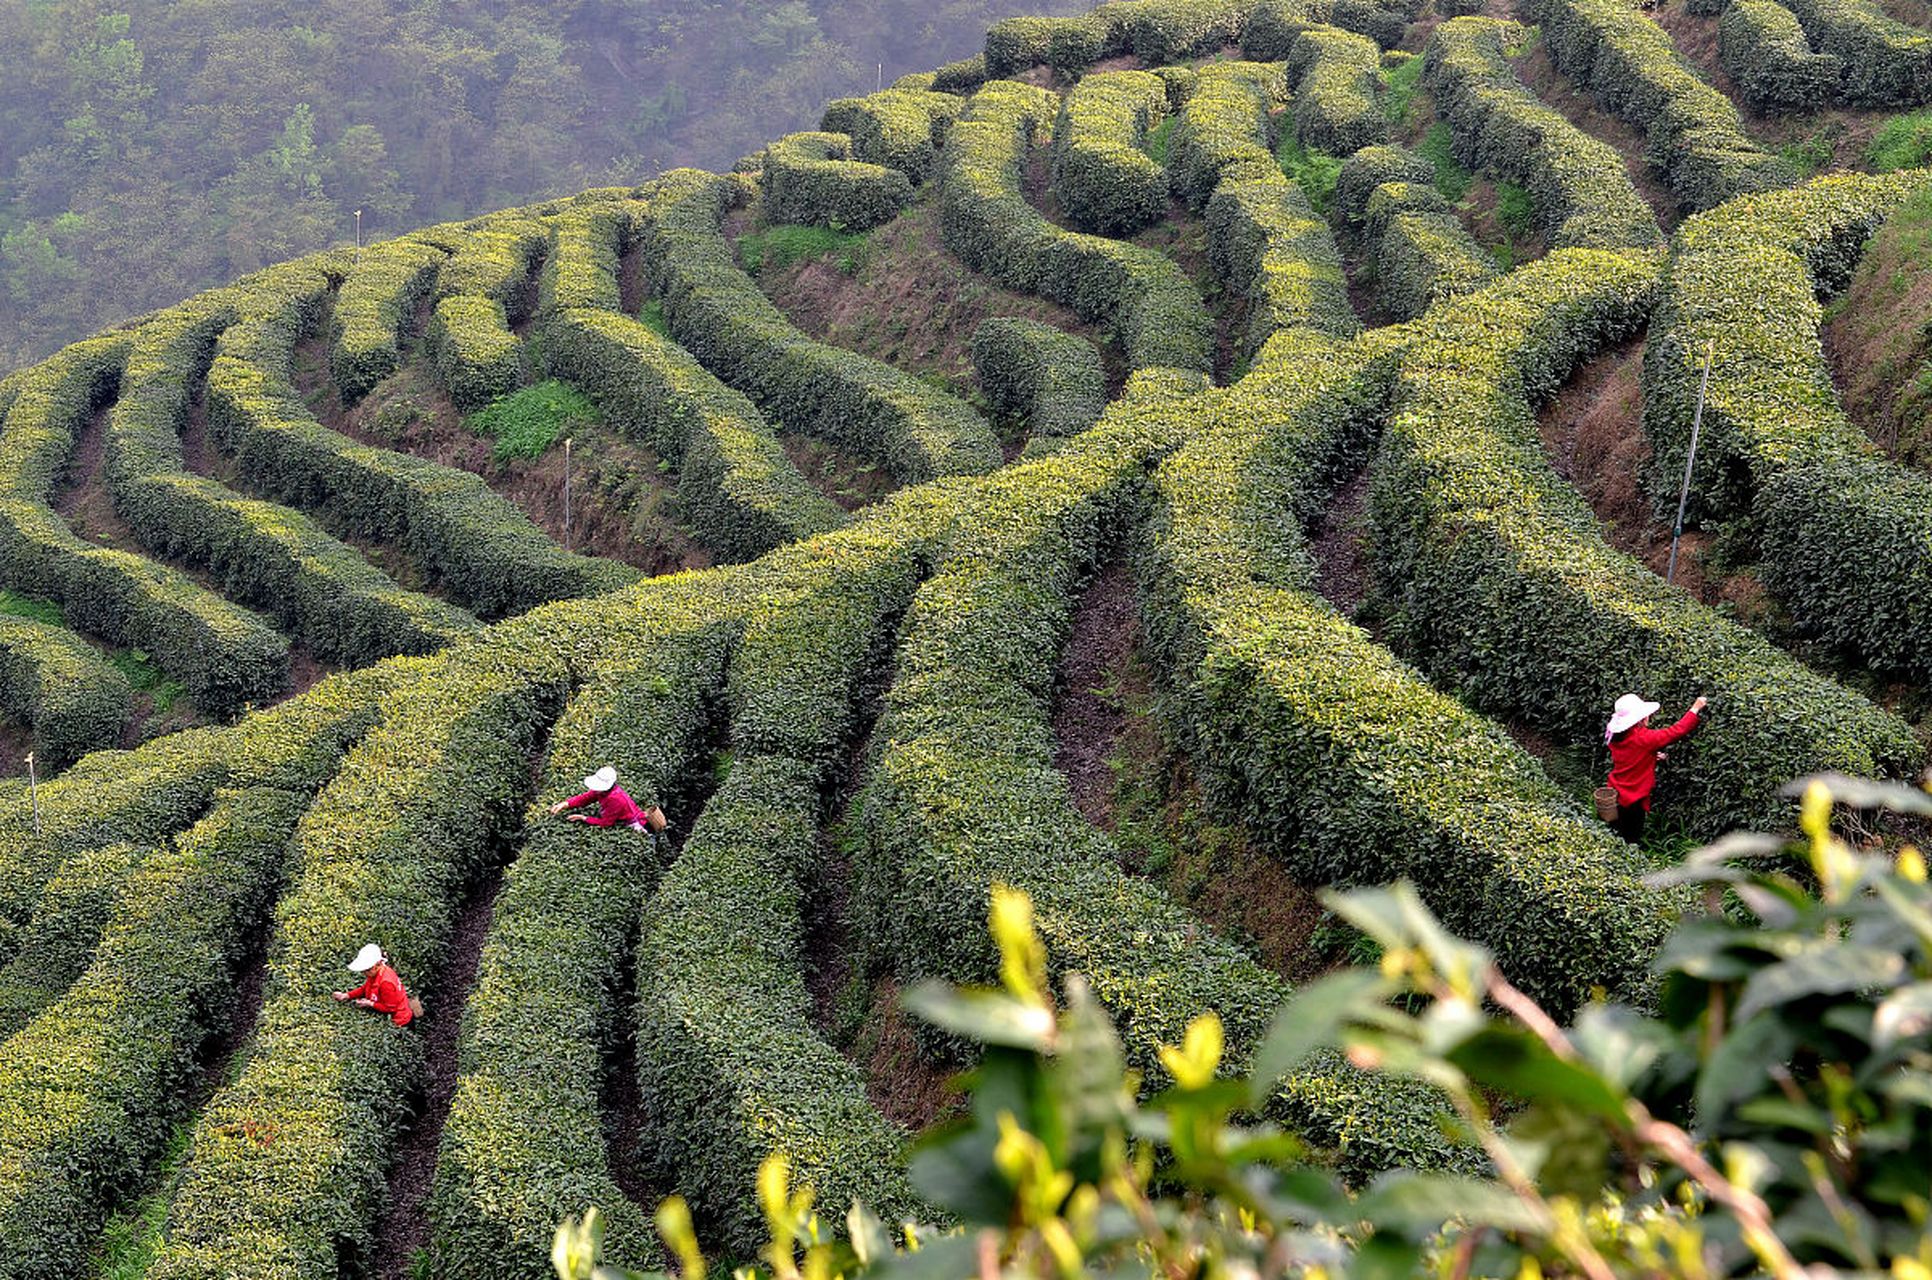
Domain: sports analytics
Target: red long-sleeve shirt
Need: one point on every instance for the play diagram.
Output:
(1633, 759)
(614, 807)
(384, 989)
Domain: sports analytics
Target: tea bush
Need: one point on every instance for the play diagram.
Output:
(1421, 250)
(61, 688)
(811, 179)
(1764, 51)
(1102, 174)
(377, 298)
(1337, 91)
(1039, 373)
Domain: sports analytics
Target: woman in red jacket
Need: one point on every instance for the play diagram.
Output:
(382, 990)
(1635, 749)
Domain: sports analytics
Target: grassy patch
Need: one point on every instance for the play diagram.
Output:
(32, 608)
(651, 316)
(1905, 141)
(1160, 138)
(1809, 155)
(527, 423)
(1515, 210)
(780, 247)
(131, 1240)
(145, 677)
(1314, 171)
(1399, 84)
(1452, 179)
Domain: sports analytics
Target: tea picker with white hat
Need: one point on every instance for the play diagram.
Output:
(382, 987)
(614, 806)
(1635, 749)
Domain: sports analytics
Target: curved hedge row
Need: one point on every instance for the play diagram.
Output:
(1422, 252)
(375, 301)
(1039, 373)
(480, 547)
(580, 269)
(417, 810)
(481, 291)
(1106, 181)
(1882, 62)
(1845, 534)
(1156, 311)
(964, 795)
(811, 179)
(1498, 581)
(1335, 756)
(1274, 24)
(740, 491)
(1337, 90)
(59, 938)
(1367, 170)
(719, 314)
(326, 594)
(729, 1060)
(1155, 31)
(902, 129)
(224, 655)
(1695, 138)
(1224, 131)
(1583, 196)
(61, 688)
(91, 1088)
(1764, 51)
(519, 1149)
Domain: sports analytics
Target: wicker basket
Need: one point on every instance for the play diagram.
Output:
(1606, 798)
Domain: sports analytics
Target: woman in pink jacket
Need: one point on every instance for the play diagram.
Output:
(614, 806)
(1635, 749)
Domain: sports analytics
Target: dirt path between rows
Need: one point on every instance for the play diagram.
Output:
(1340, 547)
(405, 1228)
(1088, 715)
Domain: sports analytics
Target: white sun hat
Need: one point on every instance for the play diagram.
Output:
(1631, 709)
(366, 959)
(603, 780)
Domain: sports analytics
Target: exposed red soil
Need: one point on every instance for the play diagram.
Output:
(1593, 433)
(1088, 714)
(1579, 106)
(405, 1226)
(904, 1080)
(1875, 340)
(633, 285)
(82, 497)
(1695, 36)
(627, 1122)
(910, 304)
(851, 482)
(1340, 547)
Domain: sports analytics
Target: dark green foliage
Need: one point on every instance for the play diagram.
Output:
(1845, 534)
(1579, 184)
(543, 1016)
(1156, 311)
(1225, 130)
(1273, 25)
(526, 423)
(476, 357)
(1882, 62)
(811, 179)
(1037, 372)
(962, 77)
(1368, 169)
(1337, 91)
(1765, 53)
(226, 656)
(483, 550)
(740, 491)
(1498, 582)
(1695, 138)
(61, 687)
(718, 313)
(1106, 180)
(325, 593)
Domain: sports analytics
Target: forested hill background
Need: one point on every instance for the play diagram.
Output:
(150, 150)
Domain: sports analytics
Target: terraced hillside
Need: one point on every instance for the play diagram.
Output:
(1196, 453)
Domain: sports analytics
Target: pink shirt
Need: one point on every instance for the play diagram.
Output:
(614, 807)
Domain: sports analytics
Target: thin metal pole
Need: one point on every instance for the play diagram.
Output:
(882, 77)
(1690, 460)
(566, 493)
(358, 231)
(33, 787)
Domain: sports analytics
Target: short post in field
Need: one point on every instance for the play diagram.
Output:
(33, 789)
(1690, 460)
(566, 537)
(358, 231)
